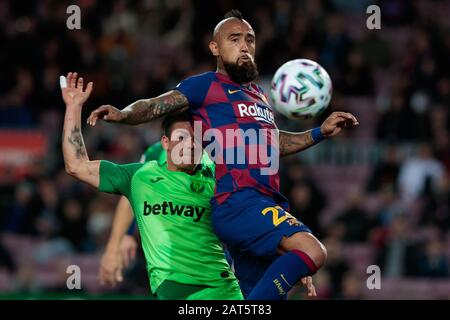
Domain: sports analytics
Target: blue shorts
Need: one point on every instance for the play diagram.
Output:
(252, 226)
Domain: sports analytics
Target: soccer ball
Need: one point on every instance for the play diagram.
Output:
(301, 89)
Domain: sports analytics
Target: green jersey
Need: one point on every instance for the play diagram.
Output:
(173, 214)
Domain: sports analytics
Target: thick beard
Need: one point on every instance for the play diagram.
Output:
(245, 73)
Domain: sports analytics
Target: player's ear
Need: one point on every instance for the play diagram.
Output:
(165, 142)
(214, 48)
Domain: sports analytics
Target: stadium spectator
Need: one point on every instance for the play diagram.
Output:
(23, 210)
(356, 76)
(433, 262)
(398, 256)
(73, 223)
(337, 266)
(354, 220)
(6, 260)
(417, 172)
(352, 287)
(385, 173)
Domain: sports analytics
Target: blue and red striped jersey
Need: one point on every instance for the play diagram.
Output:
(237, 123)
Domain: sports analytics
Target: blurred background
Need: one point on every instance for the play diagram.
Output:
(376, 195)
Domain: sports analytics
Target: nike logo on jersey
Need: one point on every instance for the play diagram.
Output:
(156, 179)
(233, 91)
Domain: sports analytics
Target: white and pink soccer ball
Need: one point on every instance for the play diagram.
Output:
(301, 89)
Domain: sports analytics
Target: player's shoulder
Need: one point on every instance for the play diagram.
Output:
(195, 88)
(200, 78)
(150, 165)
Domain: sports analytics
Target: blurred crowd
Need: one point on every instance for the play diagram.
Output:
(142, 48)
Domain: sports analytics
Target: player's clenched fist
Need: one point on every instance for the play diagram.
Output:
(72, 89)
(107, 113)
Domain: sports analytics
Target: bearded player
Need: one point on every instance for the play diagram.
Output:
(271, 249)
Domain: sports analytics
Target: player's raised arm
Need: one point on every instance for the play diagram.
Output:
(293, 142)
(76, 159)
(143, 110)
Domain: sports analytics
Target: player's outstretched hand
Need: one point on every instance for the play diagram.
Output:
(72, 89)
(336, 122)
(110, 272)
(107, 113)
(308, 284)
(128, 247)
